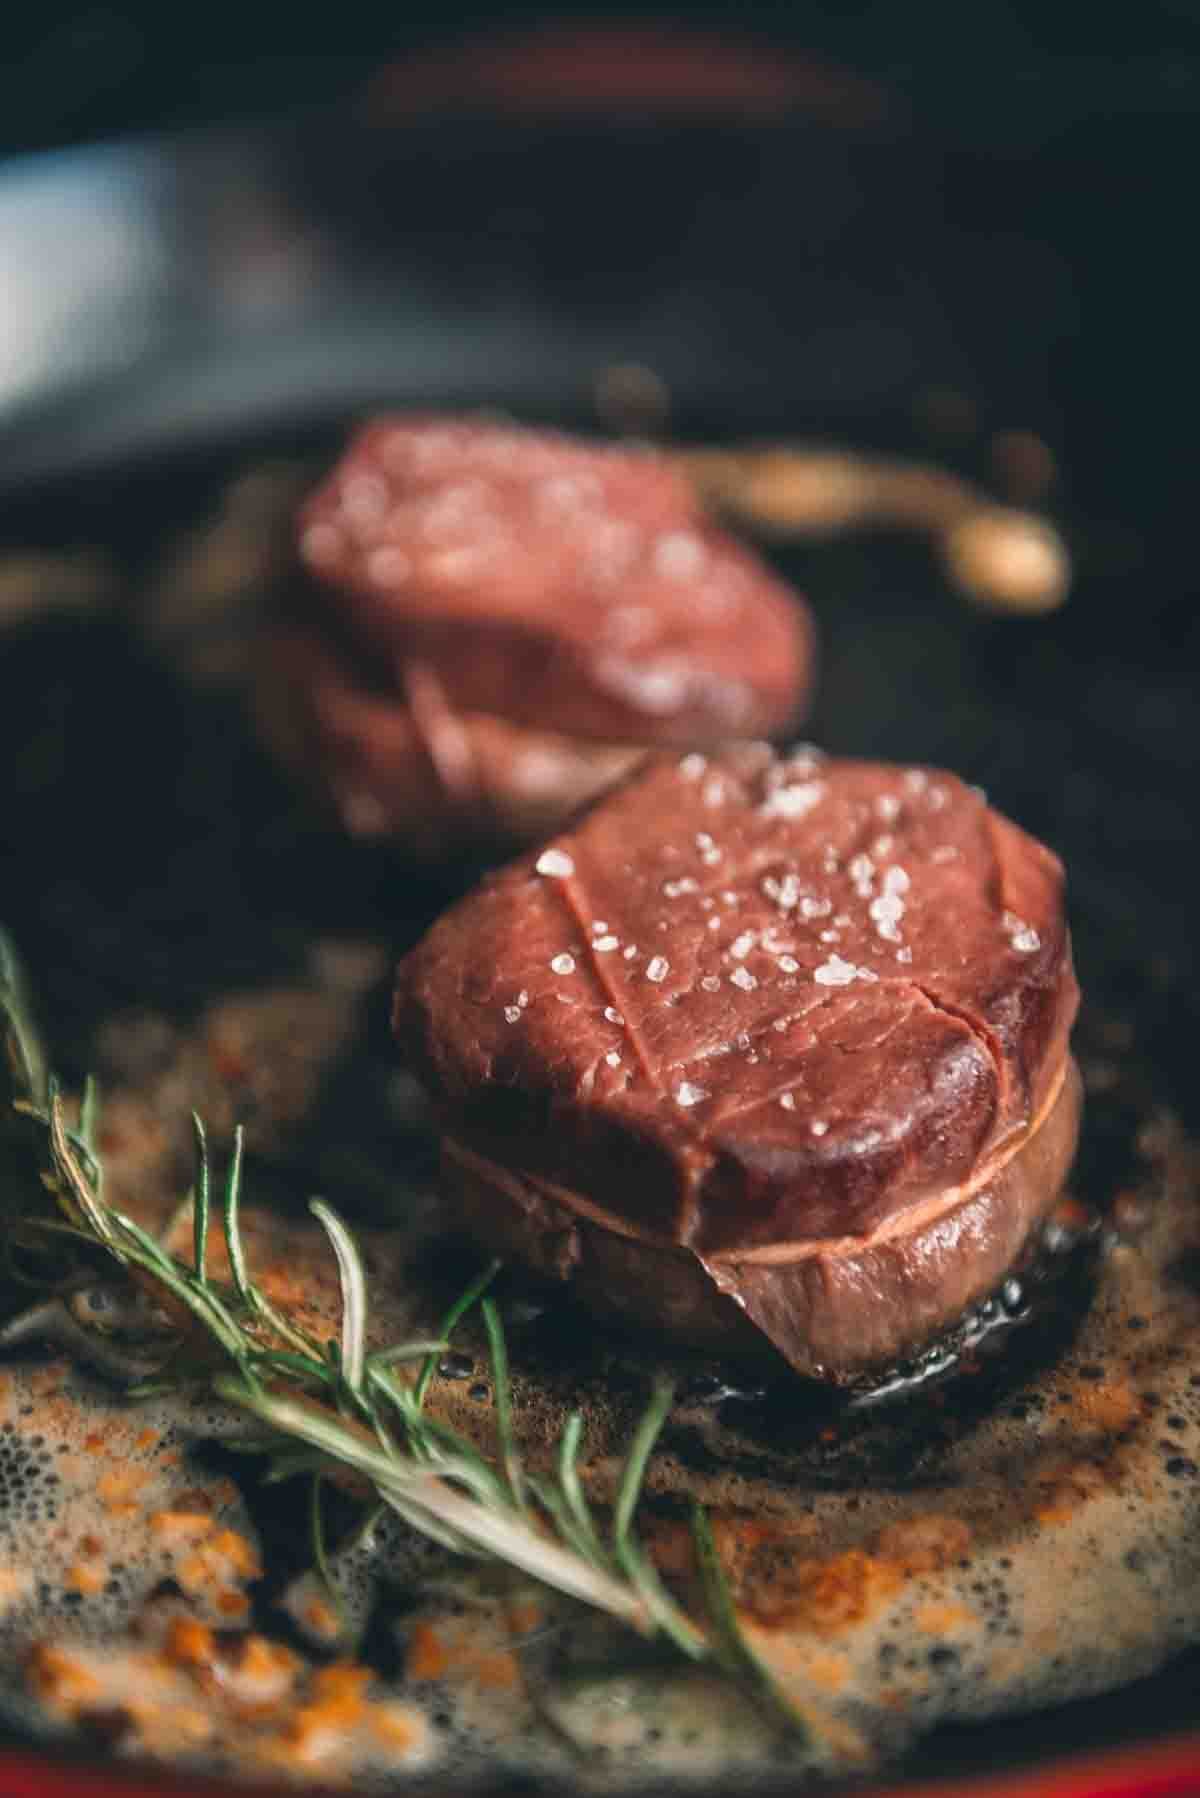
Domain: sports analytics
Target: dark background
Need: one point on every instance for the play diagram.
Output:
(1005, 69)
(1066, 125)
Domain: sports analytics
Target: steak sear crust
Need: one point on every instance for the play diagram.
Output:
(832, 1309)
(753, 1009)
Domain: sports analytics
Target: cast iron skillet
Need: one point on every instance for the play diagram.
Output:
(237, 294)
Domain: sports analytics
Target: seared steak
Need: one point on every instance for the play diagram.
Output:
(760, 1041)
(490, 620)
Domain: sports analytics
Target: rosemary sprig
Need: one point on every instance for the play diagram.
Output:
(200, 1201)
(453, 1317)
(728, 1643)
(498, 1350)
(337, 1404)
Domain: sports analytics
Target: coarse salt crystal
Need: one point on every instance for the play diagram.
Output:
(805, 757)
(658, 690)
(563, 490)
(945, 852)
(916, 780)
(886, 912)
(678, 556)
(655, 689)
(744, 978)
(793, 802)
(604, 945)
(785, 892)
(387, 565)
(818, 1127)
(714, 791)
(673, 888)
(563, 964)
(686, 1094)
(711, 983)
(904, 954)
(887, 807)
(693, 766)
(714, 923)
(613, 1015)
(742, 945)
(556, 863)
(523, 998)
(613, 1059)
(835, 972)
(457, 565)
(513, 1013)
(788, 1101)
(657, 968)
(831, 936)
(1025, 938)
(788, 964)
(630, 952)
(815, 908)
(895, 880)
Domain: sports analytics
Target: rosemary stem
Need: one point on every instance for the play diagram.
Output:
(482, 1528)
(336, 1404)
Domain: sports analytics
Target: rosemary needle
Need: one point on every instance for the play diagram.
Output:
(326, 1405)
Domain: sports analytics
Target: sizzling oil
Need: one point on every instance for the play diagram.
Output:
(1022, 1534)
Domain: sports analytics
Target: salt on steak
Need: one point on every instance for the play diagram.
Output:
(490, 622)
(761, 1049)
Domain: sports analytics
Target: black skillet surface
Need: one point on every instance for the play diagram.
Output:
(231, 295)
